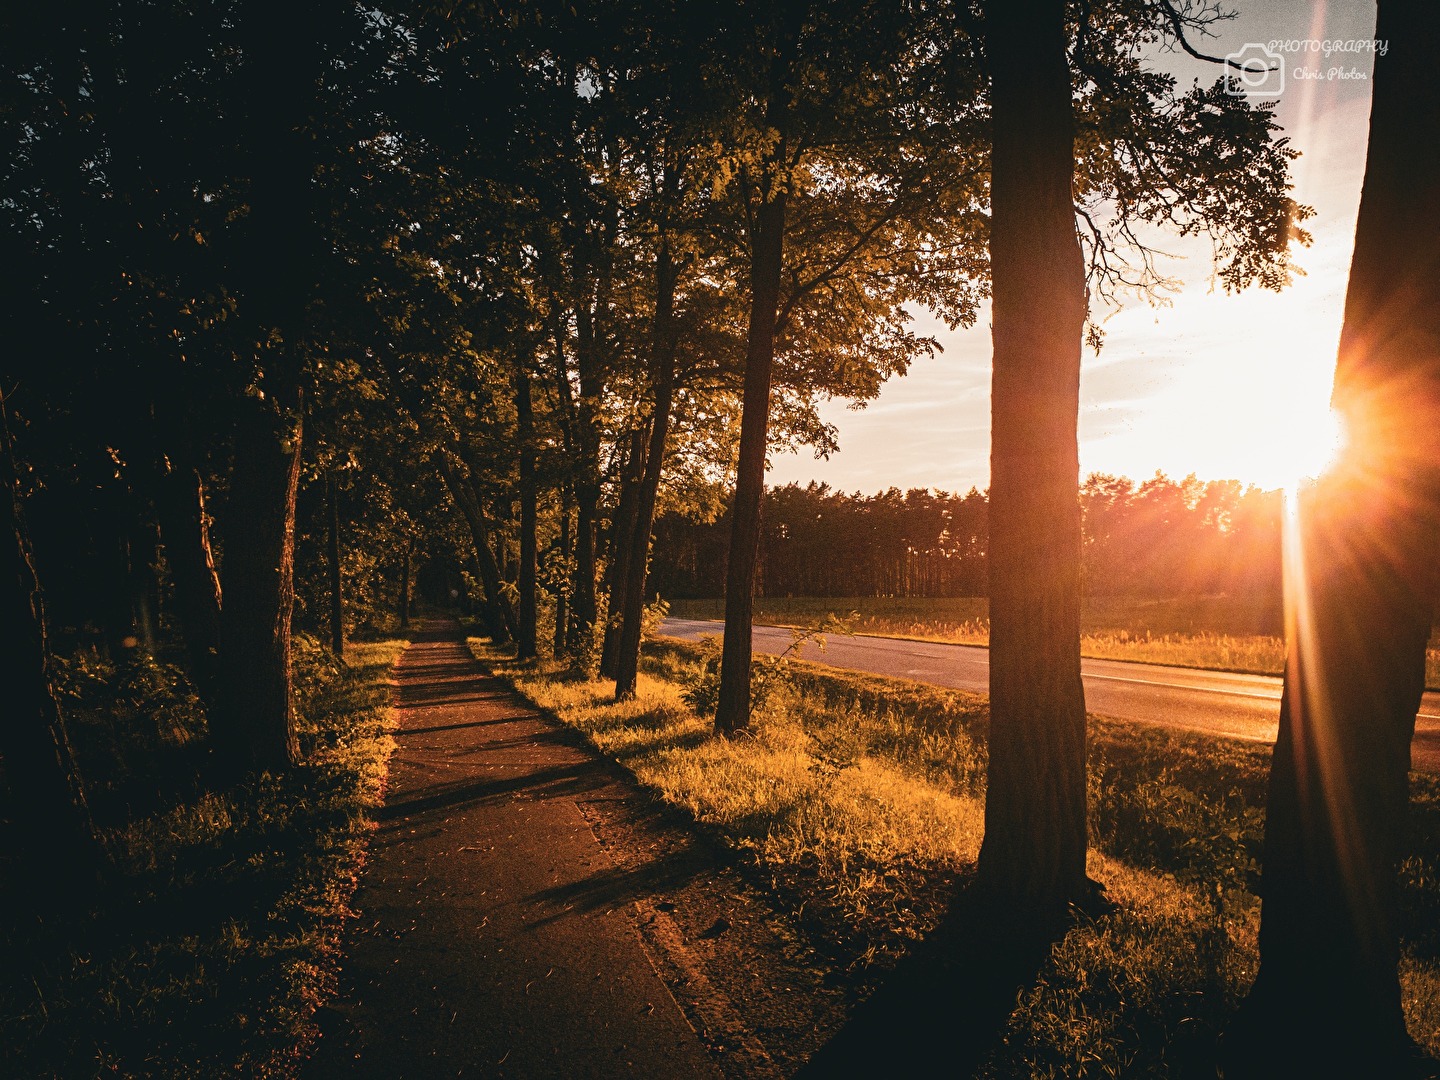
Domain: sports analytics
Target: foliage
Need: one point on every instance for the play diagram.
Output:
(216, 932)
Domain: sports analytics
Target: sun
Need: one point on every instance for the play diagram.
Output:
(1309, 442)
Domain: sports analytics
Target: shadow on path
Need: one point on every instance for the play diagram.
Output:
(944, 1008)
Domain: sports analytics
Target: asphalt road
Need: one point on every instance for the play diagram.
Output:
(1219, 702)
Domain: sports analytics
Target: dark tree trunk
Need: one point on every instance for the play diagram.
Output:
(1033, 854)
(624, 531)
(583, 599)
(46, 796)
(277, 264)
(767, 258)
(332, 547)
(529, 554)
(1361, 586)
(562, 605)
(255, 724)
(663, 373)
(185, 531)
(405, 587)
(587, 485)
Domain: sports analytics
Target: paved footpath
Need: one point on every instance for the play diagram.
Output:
(470, 956)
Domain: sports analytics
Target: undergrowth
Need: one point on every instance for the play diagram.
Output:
(860, 799)
(216, 927)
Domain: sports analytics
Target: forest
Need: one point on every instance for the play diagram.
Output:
(327, 326)
(1159, 539)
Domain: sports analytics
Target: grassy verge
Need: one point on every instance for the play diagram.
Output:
(860, 801)
(1216, 633)
(217, 929)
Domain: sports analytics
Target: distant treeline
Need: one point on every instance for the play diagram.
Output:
(1159, 538)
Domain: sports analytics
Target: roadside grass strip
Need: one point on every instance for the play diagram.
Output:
(1215, 633)
(859, 799)
(217, 932)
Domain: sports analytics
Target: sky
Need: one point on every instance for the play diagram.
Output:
(1226, 387)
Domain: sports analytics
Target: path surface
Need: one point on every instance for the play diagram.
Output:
(1219, 702)
(481, 948)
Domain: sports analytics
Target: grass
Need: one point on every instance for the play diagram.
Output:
(859, 801)
(1219, 633)
(217, 930)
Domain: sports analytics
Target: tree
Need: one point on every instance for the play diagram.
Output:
(1035, 838)
(844, 225)
(46, 795)
(1362, 582)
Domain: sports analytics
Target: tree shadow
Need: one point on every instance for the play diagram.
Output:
(944, 1008)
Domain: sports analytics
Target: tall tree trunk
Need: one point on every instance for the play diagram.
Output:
(332, 547)
(767, 258)
(584, 599)
(562, 605)
(529, 553)
(185, 532)
(1362, 583)
(637, 556)
(623, 532)
(1033, 853)
(405, 587)
(255, 724)
(47, 798)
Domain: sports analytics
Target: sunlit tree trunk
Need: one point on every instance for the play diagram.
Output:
(1361, 591)
(529, 555)
(663, 372)
(1035, 835)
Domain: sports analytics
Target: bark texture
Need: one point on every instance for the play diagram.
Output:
(1361, 593)
(1035, 829)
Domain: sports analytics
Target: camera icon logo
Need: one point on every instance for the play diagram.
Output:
(1255, 71)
